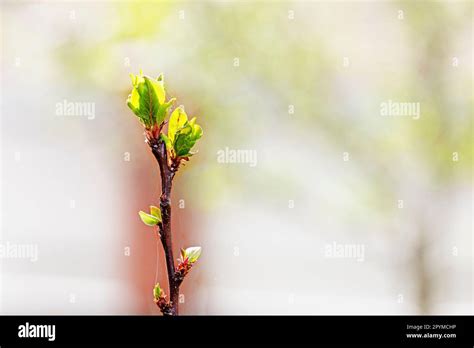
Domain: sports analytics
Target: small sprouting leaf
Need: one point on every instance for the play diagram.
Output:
(158, 88)
(193, 253)
(148, 219)
(197, 132)
(148, 100)
(167, 141)
(156, 212)
(157, 292)
(169, 146)
(163, 110)
(178, 119)
(184, 140)
(133, 102)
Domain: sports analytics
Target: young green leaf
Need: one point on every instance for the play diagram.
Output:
(167, 142)
(148, 100)
(184, 140)
(148, 219)
(197, 132)
(163, 110)
(158, 88)
(169, 146)
(133, 101)
(178, 119)
(193, 253)
(157, 292)
(156, 212)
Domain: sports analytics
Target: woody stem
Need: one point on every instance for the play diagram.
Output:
(158, 148)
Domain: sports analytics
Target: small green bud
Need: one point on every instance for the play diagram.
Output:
(192, 253)
(182, 134)
(157, 292)
(156, 212)
(148, 219)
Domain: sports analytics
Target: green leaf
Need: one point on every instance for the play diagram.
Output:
(184, 141)
(193, 253)
(158, 86)
(148, 219)
(156, 212)
(133, 101)
(163, 110)
(148, 99)
(178, 119)
(169, 146)
(167, 141)
(197, 132)
(157, 292)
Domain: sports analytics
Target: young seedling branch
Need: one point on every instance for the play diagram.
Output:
(148, 102)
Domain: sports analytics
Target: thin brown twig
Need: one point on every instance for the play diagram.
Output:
(159, 151)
